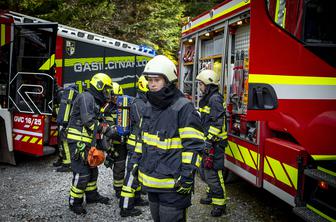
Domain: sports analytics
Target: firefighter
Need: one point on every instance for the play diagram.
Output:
(129, 200)
(117, 151)
(67, 97)
(167, 153)
(212, 111)
(81, 132)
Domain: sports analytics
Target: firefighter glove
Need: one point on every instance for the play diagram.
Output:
(184, 185)
(209, 158)
(95, 157)
(108, 161)
(111, 131)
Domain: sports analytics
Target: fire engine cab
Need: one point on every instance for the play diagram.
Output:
(276, 60)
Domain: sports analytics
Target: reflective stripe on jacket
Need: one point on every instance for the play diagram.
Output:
(170, 146)
(84, 116)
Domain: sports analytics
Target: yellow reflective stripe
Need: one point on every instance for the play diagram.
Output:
(91, 186)
(327, 171)
(49, 63)
(292, 173)
(169, 143)
(110, 118)
(292, 80)
(126, 194)
(226, 11)
(131, 136)
(92, 183)
(76, 190)
(79, 138)
(205, 109)
(187, 157)
(213, 130)
(218, 201)
(320, 213)
(33, 140)
(221, 181)
(67, 108)
(128, 189)
(149, 181)
(124, 112)
(128, 85)
(131, 142)
(118, 183)
(324, 157)
(3, 35)
(58, 62)
(138, 147)
(75, 195)
(198, 161)
(67, 159)
(92, 127)
(189, 132)
(243, 154)
(76, 131)
(25, 139)
(278, 170)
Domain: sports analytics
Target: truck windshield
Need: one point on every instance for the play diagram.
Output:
(310, 21)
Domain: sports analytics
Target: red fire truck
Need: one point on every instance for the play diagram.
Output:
(277, 64)
(33, 54)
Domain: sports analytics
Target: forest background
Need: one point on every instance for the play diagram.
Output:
(155, 23)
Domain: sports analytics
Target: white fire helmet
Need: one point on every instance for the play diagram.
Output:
(161, 65)
(208, 76)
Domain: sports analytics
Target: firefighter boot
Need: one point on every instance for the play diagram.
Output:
(138, 201)
(77, 209)
(218, 211)
(130, 212)
(98, 199)
(206, 200)
(58, 162)
(64, 168)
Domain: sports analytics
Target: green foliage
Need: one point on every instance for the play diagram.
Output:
(154, 23)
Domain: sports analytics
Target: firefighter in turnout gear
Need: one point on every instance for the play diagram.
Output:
(66, 98)
(212, 111)
(167, 153)
(116, 151)
(128, 198)
(81, 133)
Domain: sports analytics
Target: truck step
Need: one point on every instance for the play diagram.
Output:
(320, 175)
(308, 215)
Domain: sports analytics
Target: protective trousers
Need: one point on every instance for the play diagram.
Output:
(163, 209)
(215, 180)
(84, 179)
(131, 190)
(64, 148)
(119, 167)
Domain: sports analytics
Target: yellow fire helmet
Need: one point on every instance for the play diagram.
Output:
(117, 90)
(142, 84)
(100, 81)
(208, 76)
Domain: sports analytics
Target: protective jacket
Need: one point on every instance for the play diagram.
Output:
(84, 116)
(170, 145)
(212, 109)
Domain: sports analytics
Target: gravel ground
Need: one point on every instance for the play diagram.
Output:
(33, 191)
